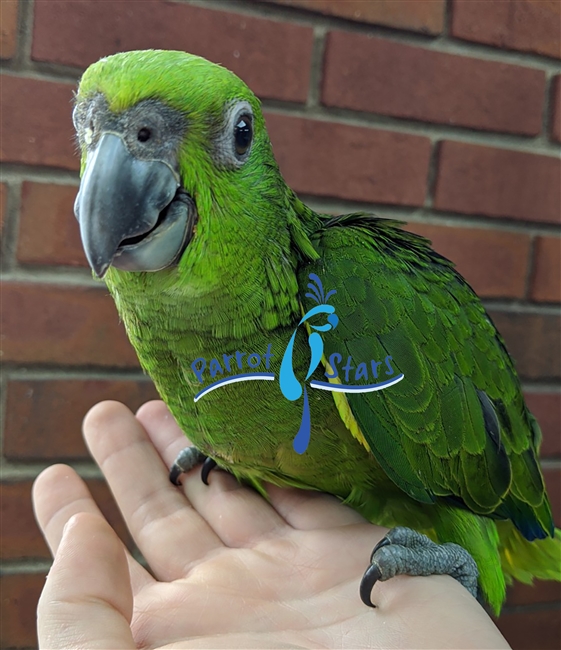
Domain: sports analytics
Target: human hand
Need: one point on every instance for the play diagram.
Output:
(230, 569)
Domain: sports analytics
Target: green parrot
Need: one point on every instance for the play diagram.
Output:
(339, 354)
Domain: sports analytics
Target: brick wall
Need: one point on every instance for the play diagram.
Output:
(443, 114)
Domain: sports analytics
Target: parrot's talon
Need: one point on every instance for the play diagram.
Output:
(187, 458)
(385, 541)
(208, 465)
(369, 579)
(407, 552)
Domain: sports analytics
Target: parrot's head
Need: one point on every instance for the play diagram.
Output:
(175, 155)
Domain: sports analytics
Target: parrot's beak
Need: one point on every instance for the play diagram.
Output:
(133, 213)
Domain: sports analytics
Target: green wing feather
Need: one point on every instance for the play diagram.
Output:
(456, 426)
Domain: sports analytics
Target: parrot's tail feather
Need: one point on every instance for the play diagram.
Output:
(523, 560)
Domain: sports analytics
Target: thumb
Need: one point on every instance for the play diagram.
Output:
(87, 599)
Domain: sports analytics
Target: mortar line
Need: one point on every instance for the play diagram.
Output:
(433, 131)
(432, 175)
(530, 268)
(316, 67)
(11, 224)
(17, 472)
(24, 34)
(539, 388)
(25, 566)
(67, 373)
(516, 306)
(420, 214)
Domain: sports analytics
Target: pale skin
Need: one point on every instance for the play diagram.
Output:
(230, 570)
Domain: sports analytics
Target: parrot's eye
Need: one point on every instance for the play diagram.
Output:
(234, 138)
(243, 134)
(144, 135)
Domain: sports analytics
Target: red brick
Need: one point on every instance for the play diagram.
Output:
(46, 324)
(380, 76)
(425, 16)
(19, 597)
(546, 276)
(36, 122)
(21, 536)
(33, 406)
(49, 232)
(556, 109)
(527, 25)
(552, 476)
(9, 28)
(546, 408)
(533, 341)
(273, 58)
(349, 162)
(474, 179)
(530, 630)
(493, 262)
(542, 591)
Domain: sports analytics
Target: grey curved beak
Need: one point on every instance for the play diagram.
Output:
(120, 197)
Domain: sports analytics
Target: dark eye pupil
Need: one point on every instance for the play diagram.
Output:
(242, 135)
(144, 134)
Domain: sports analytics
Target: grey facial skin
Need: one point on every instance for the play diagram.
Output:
(132, 211)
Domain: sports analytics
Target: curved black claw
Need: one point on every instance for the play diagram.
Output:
(207, 468)
(369, 579)
(174, 474)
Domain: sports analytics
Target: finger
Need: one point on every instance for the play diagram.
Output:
(168, 531)
(59, 494)
(238, 514)
(87, 600)
(308, 510)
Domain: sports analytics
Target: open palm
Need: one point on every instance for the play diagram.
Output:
(228, 569)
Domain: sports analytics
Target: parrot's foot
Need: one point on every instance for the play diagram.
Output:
(187, 458)
(405, 551)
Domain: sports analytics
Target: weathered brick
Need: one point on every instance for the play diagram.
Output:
(273, 57)
(349, 162)
(552, 476)
(493, 262)
(531, 629)
(546, 275)
(46, 324)
(556, 109)
(36, 122)
(524, 25)
(380, 76)
(33, 406)
(19, 595)
(21, 536)
(474, 179)
(425, 16)
(49, 232)
(8, 28)
(542, 591)
(546, 408)
(533, 341)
